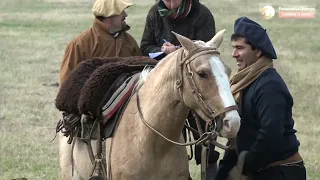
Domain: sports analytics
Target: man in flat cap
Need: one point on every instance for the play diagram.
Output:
(266, 146)
(106, 38)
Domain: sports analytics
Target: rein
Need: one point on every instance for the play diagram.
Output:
(205, 136)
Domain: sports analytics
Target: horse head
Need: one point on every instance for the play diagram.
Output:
(203, 84)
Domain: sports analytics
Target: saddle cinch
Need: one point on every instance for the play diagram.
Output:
(92, 99)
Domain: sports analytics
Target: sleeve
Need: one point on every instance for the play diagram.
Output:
(136, 50)
(228, 161)
(71, 58)
(148, 42)
(271, 104)
(205, 27)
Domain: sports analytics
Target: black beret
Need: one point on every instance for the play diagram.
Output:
(256, 35)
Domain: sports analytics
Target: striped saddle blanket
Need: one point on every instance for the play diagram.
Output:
(119, 97)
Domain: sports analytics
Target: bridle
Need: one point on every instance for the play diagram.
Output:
(195, 91)
(185, 63)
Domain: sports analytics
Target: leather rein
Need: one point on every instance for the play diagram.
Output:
(205, 136)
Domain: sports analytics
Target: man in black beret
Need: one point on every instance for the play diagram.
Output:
(266, 143)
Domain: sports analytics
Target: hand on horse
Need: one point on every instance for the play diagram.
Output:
(168, 48)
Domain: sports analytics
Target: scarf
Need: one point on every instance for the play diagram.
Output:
(246, 76)
(175, 14)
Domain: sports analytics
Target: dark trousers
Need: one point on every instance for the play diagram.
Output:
(213, 155)
(295, 171)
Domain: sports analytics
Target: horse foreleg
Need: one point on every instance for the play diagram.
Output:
(65, 151)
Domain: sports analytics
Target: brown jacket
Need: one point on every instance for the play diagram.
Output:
(97, 42)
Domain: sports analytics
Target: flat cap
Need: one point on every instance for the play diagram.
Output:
(256, 35)
(107, 8)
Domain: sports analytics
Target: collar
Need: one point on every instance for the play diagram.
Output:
(97, 24)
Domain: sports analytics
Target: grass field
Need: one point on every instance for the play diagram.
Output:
(33, 37)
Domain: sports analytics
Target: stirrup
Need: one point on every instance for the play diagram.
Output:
(96, 177)
(96, 174)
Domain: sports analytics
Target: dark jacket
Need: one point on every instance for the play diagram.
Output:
(266, 130)
(198, 25)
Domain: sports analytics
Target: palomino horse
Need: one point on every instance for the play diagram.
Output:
(191, 78)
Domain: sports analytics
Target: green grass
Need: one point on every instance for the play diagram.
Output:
(33, 38)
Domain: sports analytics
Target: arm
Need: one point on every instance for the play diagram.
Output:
(148, 42)
(71, 59)
(205, 28)
(136, 50)
(271, 104)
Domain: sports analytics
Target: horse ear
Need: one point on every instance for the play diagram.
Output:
(217, 39)
(185, 42)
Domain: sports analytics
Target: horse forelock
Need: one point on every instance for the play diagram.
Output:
(226, 68)
(201, 43)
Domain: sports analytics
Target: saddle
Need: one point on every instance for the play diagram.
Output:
(89, 88)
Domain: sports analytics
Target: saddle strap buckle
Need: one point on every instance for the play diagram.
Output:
(86, 131)
(99, 170)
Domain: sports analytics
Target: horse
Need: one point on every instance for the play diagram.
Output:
(193, 78)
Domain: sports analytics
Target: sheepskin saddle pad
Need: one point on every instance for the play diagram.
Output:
(99, 87)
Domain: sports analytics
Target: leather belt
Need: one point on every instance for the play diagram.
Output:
(292, 159)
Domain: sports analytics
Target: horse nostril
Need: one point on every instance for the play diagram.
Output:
(226, 124)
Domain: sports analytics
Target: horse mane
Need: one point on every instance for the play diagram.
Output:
(226, 66)
(144, 75)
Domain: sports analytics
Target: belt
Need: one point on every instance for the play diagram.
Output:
(296, 158)
(292, 159)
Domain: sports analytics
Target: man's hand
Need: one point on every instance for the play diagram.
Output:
(168, 48)
(236, 172)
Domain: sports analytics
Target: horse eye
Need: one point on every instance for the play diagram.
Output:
(202, 74)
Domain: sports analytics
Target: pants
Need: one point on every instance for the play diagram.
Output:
(213, 155)
(295, 171)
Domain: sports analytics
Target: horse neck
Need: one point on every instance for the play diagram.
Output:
(160, 105)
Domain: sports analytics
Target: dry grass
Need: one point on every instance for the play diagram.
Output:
(33, 37)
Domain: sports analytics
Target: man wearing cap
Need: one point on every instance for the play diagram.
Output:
(106, 38)
(266, 142)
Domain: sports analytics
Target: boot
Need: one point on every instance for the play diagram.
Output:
(211, 171)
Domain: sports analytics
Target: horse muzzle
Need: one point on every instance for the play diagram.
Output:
(231, 124)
